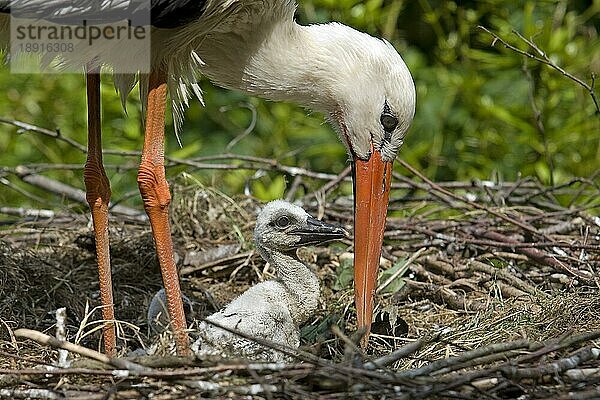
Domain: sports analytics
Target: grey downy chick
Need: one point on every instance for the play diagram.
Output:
(274, 309)
(157, 318)
(158, 315)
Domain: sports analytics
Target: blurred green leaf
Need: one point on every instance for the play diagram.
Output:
(400, 267)
(344, 274)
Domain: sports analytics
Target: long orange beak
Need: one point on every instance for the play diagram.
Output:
(372, 180)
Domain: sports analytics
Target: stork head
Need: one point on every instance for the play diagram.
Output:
(283, 227)
(370, 94)
(370, 100)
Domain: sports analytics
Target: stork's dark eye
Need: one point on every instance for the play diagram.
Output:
(283, 222)
(388, 121)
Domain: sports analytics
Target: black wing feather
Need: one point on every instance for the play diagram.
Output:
(175, 13)
(165, 14)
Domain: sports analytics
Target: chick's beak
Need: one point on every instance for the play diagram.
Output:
(372, 180)
(317, 232)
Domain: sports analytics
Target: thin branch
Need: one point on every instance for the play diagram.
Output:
(67, 191)
(25, 127)
(248, 129)
(405, 351)
(478, 206)
(544, 59)
(536, 255)
(558, 366)
(296, 183)
(153, 373)
(326, 188)
(441, 365)
(30, 394)
(42, 338)
(263, 163)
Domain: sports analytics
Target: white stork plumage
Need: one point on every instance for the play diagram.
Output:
(361, 83)
(272, 310)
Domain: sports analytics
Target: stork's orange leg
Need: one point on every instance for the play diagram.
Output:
(156, 196)
(98, 195)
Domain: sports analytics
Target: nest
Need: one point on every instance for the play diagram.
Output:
(487, 290)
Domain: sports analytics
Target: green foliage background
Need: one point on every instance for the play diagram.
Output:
(474, 117)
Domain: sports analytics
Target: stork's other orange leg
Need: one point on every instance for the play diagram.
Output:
(98, 193)
(156, 196)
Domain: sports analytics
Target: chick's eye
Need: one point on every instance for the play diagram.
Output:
(282, 222)
(388, 121)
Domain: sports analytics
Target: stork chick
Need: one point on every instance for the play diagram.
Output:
(274, 309)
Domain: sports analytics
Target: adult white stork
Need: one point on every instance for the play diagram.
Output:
(360, 82)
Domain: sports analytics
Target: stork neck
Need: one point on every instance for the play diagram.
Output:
(281, 61)
(300, 281)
